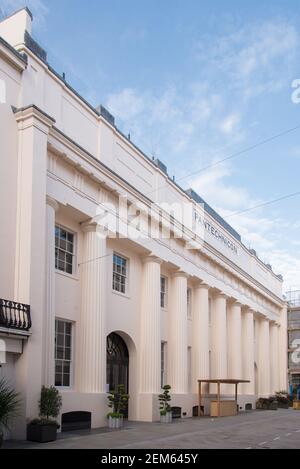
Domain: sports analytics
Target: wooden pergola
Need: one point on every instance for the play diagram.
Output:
(218, 382)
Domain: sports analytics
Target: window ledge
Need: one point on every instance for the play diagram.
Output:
(65, 274)
(123, 295)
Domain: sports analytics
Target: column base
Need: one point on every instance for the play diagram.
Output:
(148, 407)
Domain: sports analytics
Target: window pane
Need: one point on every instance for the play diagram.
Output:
(58, 379)
(67, 353)
(60, 326)
(70, 237)
(63, 352)
(59, 352)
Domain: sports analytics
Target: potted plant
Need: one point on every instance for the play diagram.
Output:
(9, 406)
(165, 408)
(283, 400)
(44, 429)
(267, 403)
(118, 402)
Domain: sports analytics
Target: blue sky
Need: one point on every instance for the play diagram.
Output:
(195, 81)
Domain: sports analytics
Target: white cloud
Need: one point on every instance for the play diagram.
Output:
(230, 123)
(256, 57)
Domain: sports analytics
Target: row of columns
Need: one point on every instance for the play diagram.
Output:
(222, 338)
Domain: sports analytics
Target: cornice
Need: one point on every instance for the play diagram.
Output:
(34, 113)
(15, 59)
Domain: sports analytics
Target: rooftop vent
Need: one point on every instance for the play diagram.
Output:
(102, 111)
(253, 252)
(161, 166)
(269, 266)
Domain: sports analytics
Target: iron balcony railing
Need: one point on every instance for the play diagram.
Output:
(14, 315)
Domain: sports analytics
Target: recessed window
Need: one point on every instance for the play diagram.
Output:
(63, 353)
(120, 268)
(189, 303)
(64, 250)
(163, 292)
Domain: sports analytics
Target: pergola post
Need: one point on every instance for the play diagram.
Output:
(219, 399)
(200, 397)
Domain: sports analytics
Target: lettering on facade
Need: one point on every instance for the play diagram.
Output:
(213, 231)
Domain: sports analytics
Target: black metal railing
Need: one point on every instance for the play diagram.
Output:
(14, 315)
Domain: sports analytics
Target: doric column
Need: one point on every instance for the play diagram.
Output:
(234, 340)
(92, 327)
(200, 334)
(248, 351)
(219, 337)
(150, 338)
(264, 358)
(177, 343)
(274, 357)
(49, 328)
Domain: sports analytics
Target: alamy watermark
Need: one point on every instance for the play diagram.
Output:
(138, 221)
(295, 357)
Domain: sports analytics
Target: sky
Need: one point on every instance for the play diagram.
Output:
(195, 82)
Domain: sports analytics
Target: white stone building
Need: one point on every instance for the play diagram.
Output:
(104, 310)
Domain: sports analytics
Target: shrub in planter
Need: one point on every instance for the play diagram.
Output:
(262, 403)
(165, 407)
(45, 428)
(9, 406)
(267, 403)
(283, 400)
(117, 401)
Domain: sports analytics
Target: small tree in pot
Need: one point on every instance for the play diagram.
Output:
(165, 408)
(118, 402)
(45, 428)
(9, 406)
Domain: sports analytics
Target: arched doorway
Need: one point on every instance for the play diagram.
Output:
(117, 362)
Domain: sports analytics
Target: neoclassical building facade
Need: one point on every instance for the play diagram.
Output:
(86, 307)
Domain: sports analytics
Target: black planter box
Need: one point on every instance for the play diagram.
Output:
(41, 433)
(283, 405)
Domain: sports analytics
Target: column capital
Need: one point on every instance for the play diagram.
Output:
(249, 310)
(236, 303)
(220, 294)
(181, 274)
(152, 258)
(93, 227)
(52, 203)
(201, 285)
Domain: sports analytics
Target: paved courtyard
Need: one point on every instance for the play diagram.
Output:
(260, 429)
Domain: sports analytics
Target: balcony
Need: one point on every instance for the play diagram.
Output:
(15, 316)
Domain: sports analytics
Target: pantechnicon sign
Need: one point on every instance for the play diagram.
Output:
(213, 231)
(159, 221)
